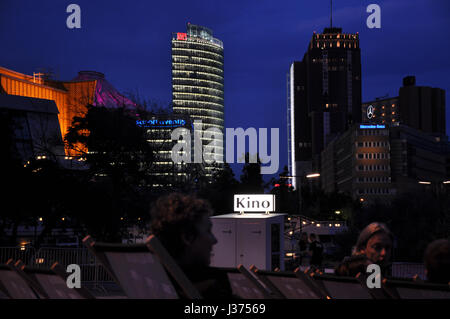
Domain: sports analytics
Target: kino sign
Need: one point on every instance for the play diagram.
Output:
(254, 203)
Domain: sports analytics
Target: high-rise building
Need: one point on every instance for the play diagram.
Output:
(34, 127)
(420, 107)
(324, 95)
(382, 110)
(299, 125)
(198, 83)
(377, 161)
(164, 172)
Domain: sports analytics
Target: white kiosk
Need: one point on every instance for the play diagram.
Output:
(250, 236)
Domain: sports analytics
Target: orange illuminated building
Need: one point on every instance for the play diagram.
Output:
(71, 97)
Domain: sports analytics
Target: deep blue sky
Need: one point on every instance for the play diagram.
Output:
(129, 41)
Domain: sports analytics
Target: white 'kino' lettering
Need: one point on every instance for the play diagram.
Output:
(254, 203)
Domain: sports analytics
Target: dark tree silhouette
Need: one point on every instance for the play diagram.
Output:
(251, 177)
(220, 192)
(287, 200)
(119, 159)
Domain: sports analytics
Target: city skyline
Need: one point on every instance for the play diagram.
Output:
(130, 45)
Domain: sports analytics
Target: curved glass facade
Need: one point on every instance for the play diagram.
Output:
(197, 79)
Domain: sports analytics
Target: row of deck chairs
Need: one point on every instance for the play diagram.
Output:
(143, 271)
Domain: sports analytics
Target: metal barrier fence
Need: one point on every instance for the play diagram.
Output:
(92, 272)
(16, 253)
(408, 270)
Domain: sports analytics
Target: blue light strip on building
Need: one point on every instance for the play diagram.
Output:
(161, 123)
(364, 126)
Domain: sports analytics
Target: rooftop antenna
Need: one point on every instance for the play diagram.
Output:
(331, 14)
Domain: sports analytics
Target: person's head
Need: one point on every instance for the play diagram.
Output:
(304, 236)
(181, 222)
(312, 237)
(437, 261)
(375, 242)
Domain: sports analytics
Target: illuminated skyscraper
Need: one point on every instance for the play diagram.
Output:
(324, 96)
(198, 83)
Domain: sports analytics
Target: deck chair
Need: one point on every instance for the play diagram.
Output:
(13, 286)
(409, 289)
(338, 287)
(288, 285)
(142, 270)
(51, 283)
(245, 285)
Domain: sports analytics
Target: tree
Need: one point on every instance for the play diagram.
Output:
(220, 192)
(14, 180)
(415, 219)
(119, 159)
(287, 200)
(251, 178)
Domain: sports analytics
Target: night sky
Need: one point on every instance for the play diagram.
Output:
(129, 41)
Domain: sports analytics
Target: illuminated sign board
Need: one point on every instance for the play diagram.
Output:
(161, 123)
(181, 36)
(254, 203)
(372, 126)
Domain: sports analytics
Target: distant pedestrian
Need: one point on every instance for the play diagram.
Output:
(303, 247)
(315, 251)
(437, 261)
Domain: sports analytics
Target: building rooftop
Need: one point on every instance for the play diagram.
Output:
(22, 103)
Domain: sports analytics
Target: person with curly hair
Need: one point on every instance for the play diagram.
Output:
(181, 222)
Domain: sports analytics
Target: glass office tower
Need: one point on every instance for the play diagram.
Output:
(197, 83)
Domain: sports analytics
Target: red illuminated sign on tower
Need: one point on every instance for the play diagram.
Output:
(181, 36)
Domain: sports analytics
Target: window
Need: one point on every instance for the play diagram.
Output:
(360, 156)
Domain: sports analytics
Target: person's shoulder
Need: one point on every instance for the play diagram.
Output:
(215, 271)
(214, 284)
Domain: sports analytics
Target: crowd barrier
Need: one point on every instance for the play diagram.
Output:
(148, 271)
(93, 273)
